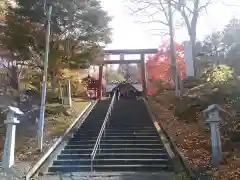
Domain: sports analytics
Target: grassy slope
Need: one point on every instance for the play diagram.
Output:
(58, 119)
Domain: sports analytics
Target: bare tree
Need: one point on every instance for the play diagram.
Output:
(156, 11)
(190, 11)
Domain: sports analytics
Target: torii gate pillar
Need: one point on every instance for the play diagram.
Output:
(100, 82)
(143, 75)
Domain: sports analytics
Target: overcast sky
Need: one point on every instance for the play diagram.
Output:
(127, 34)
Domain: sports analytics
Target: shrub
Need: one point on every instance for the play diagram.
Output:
(218, 75)
(77, 85)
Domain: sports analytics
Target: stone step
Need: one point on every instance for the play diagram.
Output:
(131, 138)
(132, 128)
(116, 156)
(110, 168)
(115, 141)
(98, 161)
(115, 150)
(136, 133)
(112, 146)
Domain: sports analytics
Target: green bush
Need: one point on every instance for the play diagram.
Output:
(218, 75)
(78, 89)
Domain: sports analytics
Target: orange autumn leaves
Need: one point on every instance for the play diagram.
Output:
(159, 65)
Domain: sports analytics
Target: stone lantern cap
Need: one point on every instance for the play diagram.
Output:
(12, 119)
(213, 108)
(15, 110)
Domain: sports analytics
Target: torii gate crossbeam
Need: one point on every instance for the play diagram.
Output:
(122, 52)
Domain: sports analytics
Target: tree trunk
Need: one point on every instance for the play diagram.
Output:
(54, 82)
(181, 88)
(193, 42)
(14, 85)
(193, 34)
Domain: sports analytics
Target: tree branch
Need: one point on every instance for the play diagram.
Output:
(158, 6)
(162, 32)
(186, 19)
(153, 21)
(176, 5)
(164, 10)
(205, 5)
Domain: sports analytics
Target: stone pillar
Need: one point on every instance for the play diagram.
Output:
(61, 93)
(69, 93)
(9, 146)
(188, 59)
(67, 100)
(100, 78)
(143, 75)
(121, 57)
(212, 112)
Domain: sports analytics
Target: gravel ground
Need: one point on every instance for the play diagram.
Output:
(17, 172)
(109, 176)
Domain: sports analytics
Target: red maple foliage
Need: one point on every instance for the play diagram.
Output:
(159, 65)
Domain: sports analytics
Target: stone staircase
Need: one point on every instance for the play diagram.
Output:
(75, 157)
(131, 142)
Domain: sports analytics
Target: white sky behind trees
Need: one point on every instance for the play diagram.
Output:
(127, 34)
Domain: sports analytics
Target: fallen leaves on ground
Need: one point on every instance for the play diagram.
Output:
(55, 126)
(194, 142)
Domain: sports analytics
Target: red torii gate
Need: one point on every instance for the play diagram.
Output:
(121, 53)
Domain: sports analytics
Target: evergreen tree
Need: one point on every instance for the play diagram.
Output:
(77, 30)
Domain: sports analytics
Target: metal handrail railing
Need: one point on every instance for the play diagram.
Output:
(102, 131)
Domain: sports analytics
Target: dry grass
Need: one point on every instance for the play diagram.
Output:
(57, 123)
(57, 120)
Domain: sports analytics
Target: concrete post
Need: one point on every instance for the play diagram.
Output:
(69, 94)
(100, 79)
(61, 93)
(9, 146)
(119, 95)
(143, 75)
(67, 100)
(188, 58)
(212, 112)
